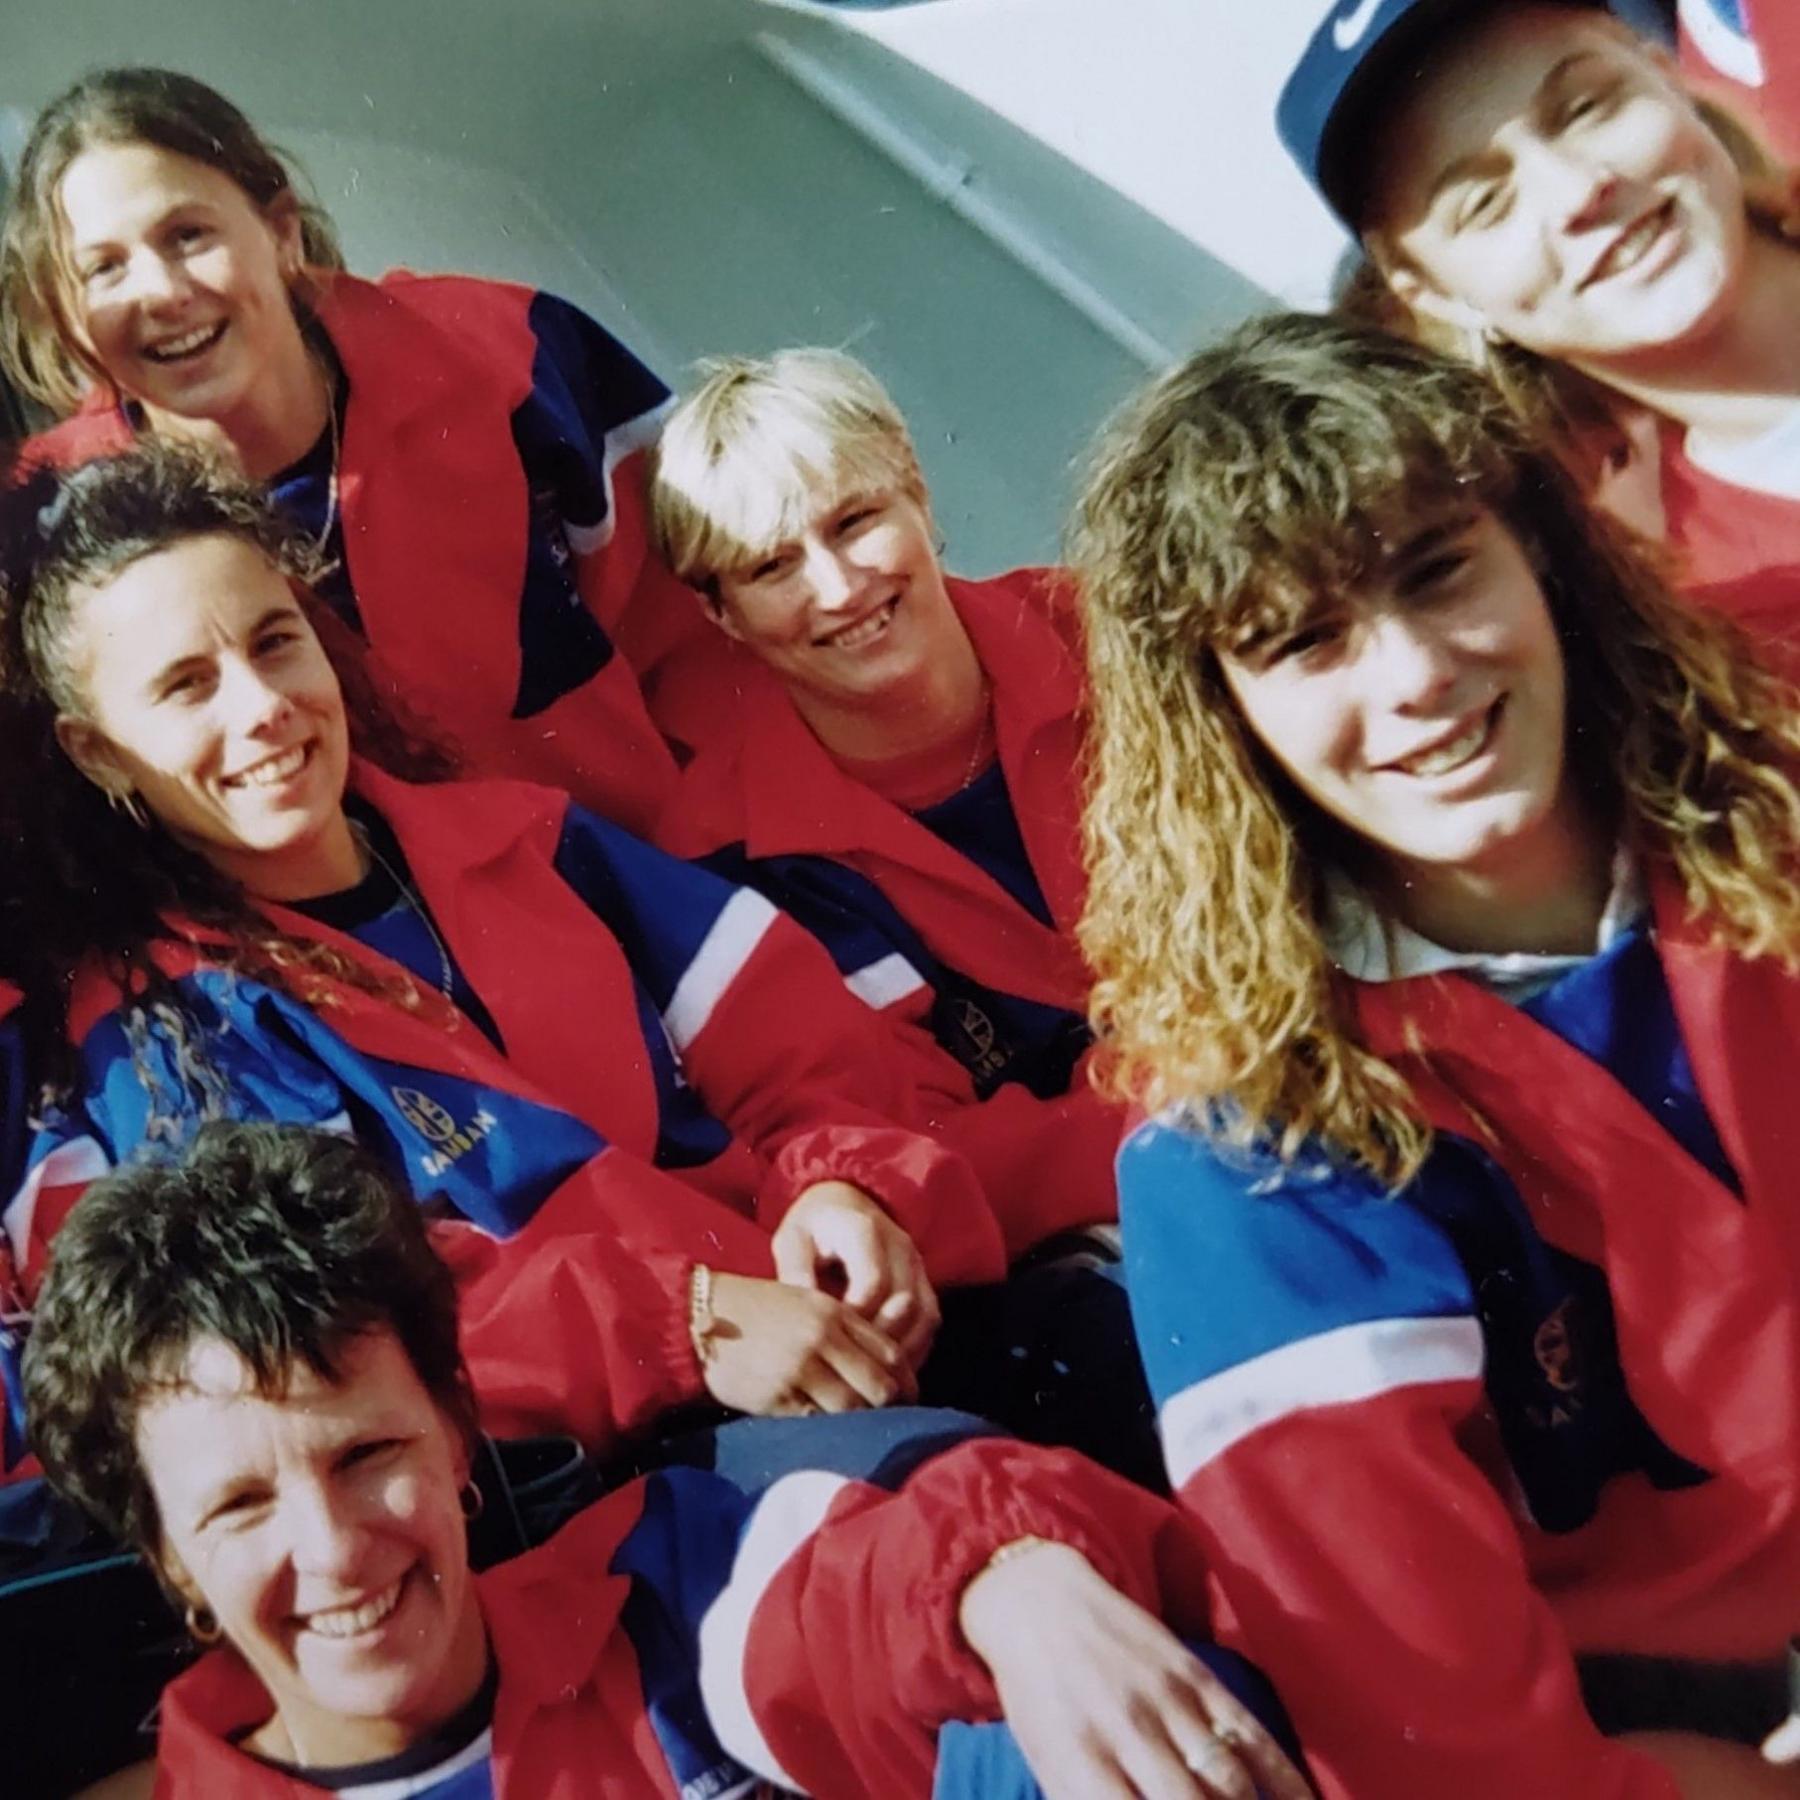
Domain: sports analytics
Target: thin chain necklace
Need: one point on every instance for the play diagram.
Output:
(323, 542)
(446, 969)
(981, 735)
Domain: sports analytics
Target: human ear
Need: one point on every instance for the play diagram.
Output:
(282, 216)
(712, 603)
(166, 1564)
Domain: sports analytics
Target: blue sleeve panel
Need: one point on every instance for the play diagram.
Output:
(661, 909)
(1229, 1260)
(681, 1552)
(1221, 1274)
(492, 1156)
(585, 388)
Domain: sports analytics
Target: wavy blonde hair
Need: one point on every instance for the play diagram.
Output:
(1228, 496)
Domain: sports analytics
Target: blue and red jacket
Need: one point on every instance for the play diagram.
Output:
(1539, 1402)
(966, 929)
(673, 1063)
(491, 524)
(685, 1639)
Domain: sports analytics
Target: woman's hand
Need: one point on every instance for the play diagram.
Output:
(776, 1349)
(1104, 1700)
(836, 1238)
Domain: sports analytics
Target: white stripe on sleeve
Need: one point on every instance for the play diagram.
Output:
(735, 933)
(1355, 1362)
(880, 984)
(71, 1164)
(622, 441)
(788, 1514)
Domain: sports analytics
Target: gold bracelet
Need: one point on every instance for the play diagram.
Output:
(702, 1323)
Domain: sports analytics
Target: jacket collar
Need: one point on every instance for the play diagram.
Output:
(1587, 1161)
(796, 800)
(542, 1646)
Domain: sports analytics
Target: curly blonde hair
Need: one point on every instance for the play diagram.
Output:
(1224, 499)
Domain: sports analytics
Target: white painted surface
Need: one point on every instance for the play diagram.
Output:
(648, 159)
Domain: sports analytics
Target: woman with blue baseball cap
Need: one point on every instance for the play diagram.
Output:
(1531, 179)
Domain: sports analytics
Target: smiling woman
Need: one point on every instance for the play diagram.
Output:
(447, 443)
(229, 913)
(246, 1367)
(1443, 903)
(1533, 183)
(227, 721)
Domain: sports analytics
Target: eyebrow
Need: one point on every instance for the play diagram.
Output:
(82, 246)
(1478, 162)
(286, 609)
(1431, 539)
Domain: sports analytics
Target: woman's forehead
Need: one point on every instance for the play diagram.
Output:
(210, 1380)
(1500, 66)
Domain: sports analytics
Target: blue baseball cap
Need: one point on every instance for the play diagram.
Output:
(1359, 47)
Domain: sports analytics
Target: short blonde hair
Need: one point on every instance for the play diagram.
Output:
(748, 457)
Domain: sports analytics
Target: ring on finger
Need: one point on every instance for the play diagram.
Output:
(1198, 1761)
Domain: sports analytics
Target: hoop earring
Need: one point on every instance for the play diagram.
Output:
(203, 1625)
(130, 803)
(472, 1500)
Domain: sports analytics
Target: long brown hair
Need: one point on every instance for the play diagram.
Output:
(1247, 481)
(39, 347)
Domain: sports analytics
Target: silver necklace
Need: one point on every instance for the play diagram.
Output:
(446, 969)
(323, 542)
(981, 736)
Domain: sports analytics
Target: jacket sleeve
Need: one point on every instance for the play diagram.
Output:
(1314, 1400)
(572, 1259)
(585, 435)
(831, 1654)
(572, 1333)
(779, 1049)
(1046, 1164)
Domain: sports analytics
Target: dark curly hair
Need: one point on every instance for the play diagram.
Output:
(283, 1242)
(80, 880)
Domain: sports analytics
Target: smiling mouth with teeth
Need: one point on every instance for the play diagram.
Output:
(864, 631)
(352, 1621)
(1626, 252)
(190, 344)
(1451, 755)
(273, 771)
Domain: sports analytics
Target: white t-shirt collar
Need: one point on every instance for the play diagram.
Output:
(1368, 946)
